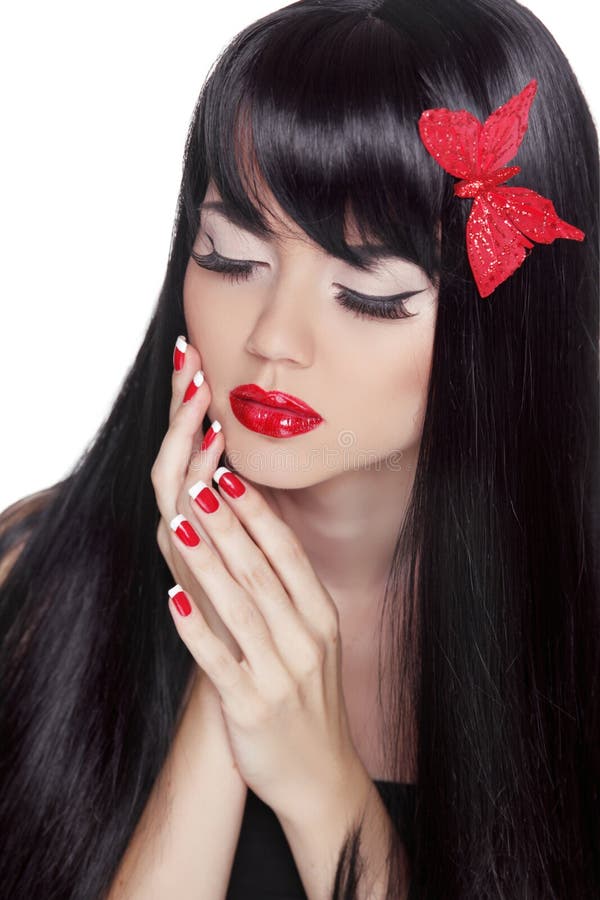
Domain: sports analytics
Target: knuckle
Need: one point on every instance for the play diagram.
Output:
(157, 474)
(154, 474)
(257, 578)
(331, 627)
(313, 659)
(207, 560)
(197, 461)
(282, 692)
(221, 663)
(281, 599)
(161, 537)
(245, 614)
(292, 548)
(260, 712)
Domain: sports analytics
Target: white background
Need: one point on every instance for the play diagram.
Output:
(96, 102)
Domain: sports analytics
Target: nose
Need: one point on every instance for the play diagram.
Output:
(283, 329)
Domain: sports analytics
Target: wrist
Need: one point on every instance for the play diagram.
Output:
(202, 715)
(340, 800)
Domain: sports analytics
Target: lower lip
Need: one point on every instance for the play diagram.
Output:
(271, 421)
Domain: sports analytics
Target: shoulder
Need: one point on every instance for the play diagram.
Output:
(15, 523)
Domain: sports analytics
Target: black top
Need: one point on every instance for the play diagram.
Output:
(264, 867)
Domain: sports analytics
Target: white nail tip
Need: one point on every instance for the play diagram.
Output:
(220, 471)
(198, 377)
(176, 522)
(195, 489)
(181, 344)
(175, 590)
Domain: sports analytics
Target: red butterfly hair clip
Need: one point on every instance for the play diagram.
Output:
(502, 218)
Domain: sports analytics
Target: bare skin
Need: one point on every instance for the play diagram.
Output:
(344, 486)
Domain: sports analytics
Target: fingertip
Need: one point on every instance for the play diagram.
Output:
(180, 600)
(179, 353)
(211, 435)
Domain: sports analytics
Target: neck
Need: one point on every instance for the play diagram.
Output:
(348, 526)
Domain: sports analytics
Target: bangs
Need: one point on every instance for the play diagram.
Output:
(322, 106)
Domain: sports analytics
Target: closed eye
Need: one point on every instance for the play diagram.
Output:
(361, 305)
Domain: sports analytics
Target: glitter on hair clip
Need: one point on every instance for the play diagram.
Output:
(502, 219)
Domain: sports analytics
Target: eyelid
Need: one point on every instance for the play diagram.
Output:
(237, 262)
(367, 298)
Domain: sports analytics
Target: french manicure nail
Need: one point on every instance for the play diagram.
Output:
(182, 604)
(230, 483)
(193, 385)
(184, 531)
(210, 435)
(204, 497)
(179, 353)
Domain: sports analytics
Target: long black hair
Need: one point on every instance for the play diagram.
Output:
(497, 639)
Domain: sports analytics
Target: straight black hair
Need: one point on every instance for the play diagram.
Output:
(497, 639)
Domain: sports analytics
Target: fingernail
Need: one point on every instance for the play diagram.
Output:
(230, 483)
(184, 531)
(179, 353)
(210, 435)
(182, 604)
(204, 497)
(193, 385)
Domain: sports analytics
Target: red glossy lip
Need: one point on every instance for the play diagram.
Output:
(276, 399)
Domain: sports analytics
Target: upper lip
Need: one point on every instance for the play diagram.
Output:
(278, 399)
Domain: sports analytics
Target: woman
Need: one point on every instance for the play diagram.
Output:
(397, 691)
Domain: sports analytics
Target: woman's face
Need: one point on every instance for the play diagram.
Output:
(283, 329)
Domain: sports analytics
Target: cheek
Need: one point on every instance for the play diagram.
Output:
(413, 375)
(397, 375)
(411, 387)
(398, 368)
(203, 305)
(191, 306)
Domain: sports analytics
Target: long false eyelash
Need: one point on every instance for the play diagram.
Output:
(236, 271)
(390, 310)
(359, 305)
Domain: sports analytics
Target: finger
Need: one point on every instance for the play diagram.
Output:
(182, 574)
(232, 603)
(176, 564)
(169, 471)
(231, 680)
(251, 569)
(281, 547)
(171, 464)
(186, 363)
(164, 542)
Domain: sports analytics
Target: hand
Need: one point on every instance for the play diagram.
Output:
(282, 702)
(179, 464)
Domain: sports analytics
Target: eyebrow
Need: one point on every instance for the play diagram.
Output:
(369, 254)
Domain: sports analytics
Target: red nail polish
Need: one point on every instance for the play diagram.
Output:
(179, 353)
(230, 483)
(210, 435)
(204, 497)
(184, 531)
(193, 385)
(182, 604)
